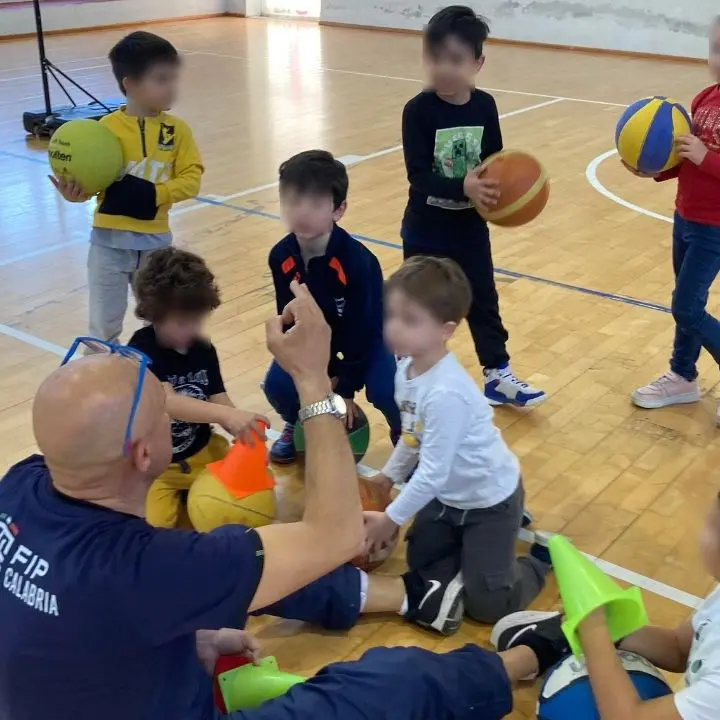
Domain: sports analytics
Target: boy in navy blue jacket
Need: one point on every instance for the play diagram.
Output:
(346, 281)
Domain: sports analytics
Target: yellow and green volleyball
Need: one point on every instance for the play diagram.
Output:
(88, 152)
(646, 134)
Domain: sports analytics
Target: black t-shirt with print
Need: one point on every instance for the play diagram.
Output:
(194, 372)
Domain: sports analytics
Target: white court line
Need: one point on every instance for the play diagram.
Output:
(629, 576)
(223, 198)
(416, 80)
(641, 581)
(17, 100)
(348, 160)
(489, 89)
(40, 251)
(592, 178)
(22, 68)
(68, 70)
(32, 340)
(36, 75)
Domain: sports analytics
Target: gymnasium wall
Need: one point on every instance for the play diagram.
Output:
(664, 27)
(17, 19)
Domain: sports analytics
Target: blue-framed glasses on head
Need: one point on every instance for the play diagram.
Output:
(93, 345)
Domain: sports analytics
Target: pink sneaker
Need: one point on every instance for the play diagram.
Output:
(669, 389)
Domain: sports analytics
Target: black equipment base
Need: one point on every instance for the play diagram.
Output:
(44, 122)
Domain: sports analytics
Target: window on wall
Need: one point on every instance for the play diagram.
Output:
(292, 8)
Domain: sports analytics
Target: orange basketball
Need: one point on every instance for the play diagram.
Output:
(523, 184)
(373, 497)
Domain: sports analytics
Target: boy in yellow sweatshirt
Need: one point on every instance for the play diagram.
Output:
(162, 167)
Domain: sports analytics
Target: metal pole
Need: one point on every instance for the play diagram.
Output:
(43, 57)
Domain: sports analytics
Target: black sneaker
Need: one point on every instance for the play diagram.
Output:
(435, 603)
(540, 631)
(527, 518)
(539, 549)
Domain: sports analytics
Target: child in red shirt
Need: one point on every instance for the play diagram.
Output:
(696, 248)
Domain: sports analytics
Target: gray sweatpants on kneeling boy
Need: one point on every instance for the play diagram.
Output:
(481, 544)
(113, 259)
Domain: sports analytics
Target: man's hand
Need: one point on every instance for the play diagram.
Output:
(635, 172)
(352, 413)
(304, 350)
(69, 188)
(242, 424)
(482, 191)
(691, 148)
(211, 644)
(379, 530)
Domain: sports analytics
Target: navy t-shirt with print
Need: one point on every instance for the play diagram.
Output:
(194, 372)
(98, 610)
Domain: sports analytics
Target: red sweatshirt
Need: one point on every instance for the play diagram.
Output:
(698, 195)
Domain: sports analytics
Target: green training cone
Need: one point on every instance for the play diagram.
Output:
(584, 588)
(249, 686)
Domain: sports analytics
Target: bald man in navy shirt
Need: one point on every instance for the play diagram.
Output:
(104, 617)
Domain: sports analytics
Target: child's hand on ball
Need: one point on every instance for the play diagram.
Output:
(691, 148)
(482, 191)
(383, 481)
(241, 424)
(635, 172)
(69, 188)
(379, 530)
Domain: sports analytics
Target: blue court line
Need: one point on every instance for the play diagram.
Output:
(500, 271)
(385, 243)
(41, 160)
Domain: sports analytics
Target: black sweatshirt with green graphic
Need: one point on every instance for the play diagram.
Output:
(442, 143)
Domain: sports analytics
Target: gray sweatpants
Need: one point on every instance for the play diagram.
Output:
(480, 543)
(110, 275)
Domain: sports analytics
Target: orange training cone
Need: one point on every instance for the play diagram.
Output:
(244, 470)
(584, 588)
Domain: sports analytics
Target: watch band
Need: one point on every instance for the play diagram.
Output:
(322, 407)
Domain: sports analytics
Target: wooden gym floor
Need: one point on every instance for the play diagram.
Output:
(584, 290)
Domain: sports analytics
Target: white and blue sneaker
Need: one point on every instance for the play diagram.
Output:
(503, 388)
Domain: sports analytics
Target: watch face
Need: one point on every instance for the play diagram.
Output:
(339, 405)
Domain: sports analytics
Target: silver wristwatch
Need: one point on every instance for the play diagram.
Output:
(331, 405)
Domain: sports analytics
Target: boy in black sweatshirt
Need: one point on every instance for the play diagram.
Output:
(346, 281)
(448, 130)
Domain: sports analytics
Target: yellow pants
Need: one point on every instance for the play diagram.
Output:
(165, 505)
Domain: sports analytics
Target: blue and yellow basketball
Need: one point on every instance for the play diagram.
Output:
(646, 134)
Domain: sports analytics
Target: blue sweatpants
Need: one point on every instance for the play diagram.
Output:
(399, 684)
(696, 261)
(332, 602)
(379, 389)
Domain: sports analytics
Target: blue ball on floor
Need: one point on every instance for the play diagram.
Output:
(566, 693)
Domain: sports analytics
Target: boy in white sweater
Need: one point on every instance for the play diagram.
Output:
(466, 493)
